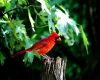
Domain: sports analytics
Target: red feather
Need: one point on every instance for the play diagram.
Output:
(43, 46)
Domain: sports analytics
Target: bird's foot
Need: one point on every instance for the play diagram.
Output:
(47, 59)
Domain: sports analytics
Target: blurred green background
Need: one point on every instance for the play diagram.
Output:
(24, 22)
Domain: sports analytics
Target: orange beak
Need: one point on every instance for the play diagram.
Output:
(58, 39)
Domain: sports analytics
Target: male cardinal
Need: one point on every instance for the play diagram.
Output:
(43, 46)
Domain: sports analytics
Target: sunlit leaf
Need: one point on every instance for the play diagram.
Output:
(31, 20)
(85, 40)
(2, 3)
(2, 21)
(8, 6)
(51, 23)
(44, 6)
(64, 21)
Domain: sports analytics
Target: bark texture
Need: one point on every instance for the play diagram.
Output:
(54, 69)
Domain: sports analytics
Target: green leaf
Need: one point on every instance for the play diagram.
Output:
(45, 5)
(2, 2)
(31, 20)
(2, 58)
(51, 23)
(85, 40)
(28, 58)
(54, 2)
(50, 3)
(2, 21)
(21, 2)
(65, 22)
(8, 6)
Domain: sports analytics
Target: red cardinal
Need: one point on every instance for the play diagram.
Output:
(43, 46)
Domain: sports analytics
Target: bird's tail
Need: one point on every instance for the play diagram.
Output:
(22, 52)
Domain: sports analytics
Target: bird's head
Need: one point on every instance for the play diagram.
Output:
(56, 36)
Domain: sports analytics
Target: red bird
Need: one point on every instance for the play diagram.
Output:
(43, 46)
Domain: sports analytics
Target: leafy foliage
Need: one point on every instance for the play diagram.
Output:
(24, 22)
(60, 20)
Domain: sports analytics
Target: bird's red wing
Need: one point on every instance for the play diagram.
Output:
(40, 46)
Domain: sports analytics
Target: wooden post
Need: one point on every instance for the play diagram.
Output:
(54, 70)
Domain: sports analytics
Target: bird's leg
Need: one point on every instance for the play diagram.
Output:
(47, 58)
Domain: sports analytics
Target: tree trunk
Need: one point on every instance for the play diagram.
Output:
(54, 69)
